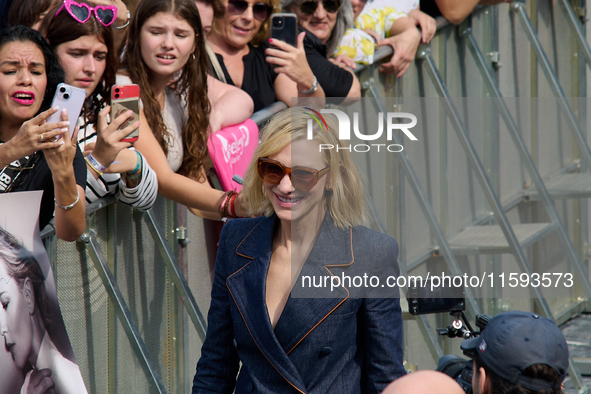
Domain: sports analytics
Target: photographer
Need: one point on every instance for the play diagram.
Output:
(518, 352)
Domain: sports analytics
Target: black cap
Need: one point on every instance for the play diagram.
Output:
(514, 341)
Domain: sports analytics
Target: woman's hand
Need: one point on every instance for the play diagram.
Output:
(40, 382)
(405, 47)
(291, 61)
(425, 22)
(34, 135)
(60, 158)
(108, 142)
(344, 61)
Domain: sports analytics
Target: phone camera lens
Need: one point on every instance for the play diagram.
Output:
(62, 89)
(66, 96)
(116, 95)
(117, 90)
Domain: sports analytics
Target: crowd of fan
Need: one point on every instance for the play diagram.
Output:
(200, 65)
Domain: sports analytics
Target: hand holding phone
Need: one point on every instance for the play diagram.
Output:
(123, 99)
(71, 99)
(284, 27)
(109, 142)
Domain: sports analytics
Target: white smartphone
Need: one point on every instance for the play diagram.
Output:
(69, 98)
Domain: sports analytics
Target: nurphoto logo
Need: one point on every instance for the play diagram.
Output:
(392, 123)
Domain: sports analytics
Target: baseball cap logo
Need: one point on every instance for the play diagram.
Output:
(482, 346)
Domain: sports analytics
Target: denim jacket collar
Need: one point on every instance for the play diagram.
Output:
(331, 249)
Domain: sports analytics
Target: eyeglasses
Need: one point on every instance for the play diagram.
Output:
(302, 178)
(309, 7)
(81, 12)
(260, 11)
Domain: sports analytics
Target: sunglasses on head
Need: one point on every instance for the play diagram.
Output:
(309, 7)
(302, 178)
(81, 12)
(260, 11)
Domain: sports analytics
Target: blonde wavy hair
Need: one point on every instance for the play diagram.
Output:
(346, 202)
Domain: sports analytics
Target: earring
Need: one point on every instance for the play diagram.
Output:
(193, 55)
(329, 187)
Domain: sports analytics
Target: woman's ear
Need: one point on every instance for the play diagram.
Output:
(29, 294)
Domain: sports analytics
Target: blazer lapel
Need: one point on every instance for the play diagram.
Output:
(307, 307)
(246, 286)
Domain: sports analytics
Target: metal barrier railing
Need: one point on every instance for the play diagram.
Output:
(128, 291)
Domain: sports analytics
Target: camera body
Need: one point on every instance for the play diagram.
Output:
(425, 299)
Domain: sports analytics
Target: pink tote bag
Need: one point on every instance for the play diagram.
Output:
(231, 150)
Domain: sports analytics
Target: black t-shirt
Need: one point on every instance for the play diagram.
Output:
(335, 81)
(259, 77)
(430, 8)
(39, 178)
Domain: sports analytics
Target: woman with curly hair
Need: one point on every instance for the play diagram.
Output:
(166, 57)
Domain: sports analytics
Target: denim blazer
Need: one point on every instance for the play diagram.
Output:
(335, 344)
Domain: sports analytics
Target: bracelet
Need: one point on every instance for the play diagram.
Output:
(312, 89)
(225, 206)
(126, 23)
(98, 167)
(232, 209)
(221, 209)
(68, 207)
(138, 167)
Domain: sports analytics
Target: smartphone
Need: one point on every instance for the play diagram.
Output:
(284, 27)
(69, 98)
(124, 98)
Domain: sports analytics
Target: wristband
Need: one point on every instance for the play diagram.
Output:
(312, 89)
(126, 23)
(100, 173)
(98, 167)
(68, 207)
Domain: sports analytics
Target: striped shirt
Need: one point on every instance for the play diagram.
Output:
(140, 197)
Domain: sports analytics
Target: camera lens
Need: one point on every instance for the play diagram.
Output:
(117, 90)
(66, 96)
(116, 95)
(62, 89)
(277, 22)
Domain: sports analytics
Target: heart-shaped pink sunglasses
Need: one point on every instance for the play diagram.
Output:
(81, 12)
